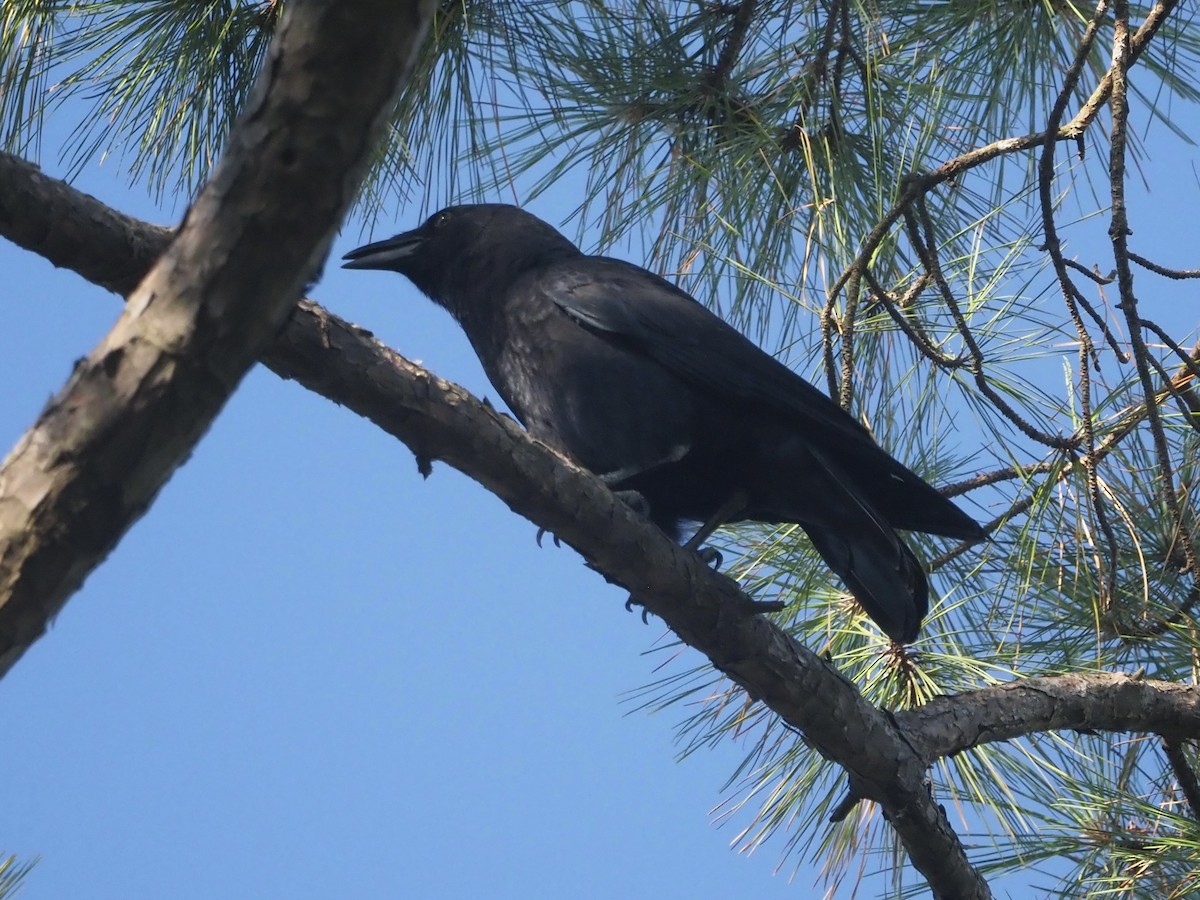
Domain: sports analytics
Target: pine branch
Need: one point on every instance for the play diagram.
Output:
(1096, 702)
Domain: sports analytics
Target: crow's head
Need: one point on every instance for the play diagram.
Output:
(463, 254)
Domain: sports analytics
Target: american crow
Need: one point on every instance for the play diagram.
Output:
(638, 382)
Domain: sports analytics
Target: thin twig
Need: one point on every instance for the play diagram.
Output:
(1089, 273)
(1119, 233)
(1141, 39)
(921, 234)
(817, 70)
(846, 333)
(1074, 299)
(912, 329)
(718, 78)
(1177, 274)
(1008, 473)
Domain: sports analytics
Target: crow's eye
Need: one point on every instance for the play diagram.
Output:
(439, 219)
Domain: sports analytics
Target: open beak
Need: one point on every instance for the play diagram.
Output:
(384, 254)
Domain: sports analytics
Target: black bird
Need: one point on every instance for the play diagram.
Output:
(638, 382)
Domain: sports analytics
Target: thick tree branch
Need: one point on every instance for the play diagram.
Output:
(441, 421)
(1101, 702)
(134, 408)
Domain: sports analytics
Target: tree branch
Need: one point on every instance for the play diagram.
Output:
(134, 408)
(706, 609)
(1103, 702)
(919, 184)
(1185, 775)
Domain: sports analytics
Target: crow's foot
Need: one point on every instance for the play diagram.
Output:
(631, 602)
(542, 532)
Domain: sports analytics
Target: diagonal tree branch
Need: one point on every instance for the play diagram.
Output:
(134, 408)
(441, 421)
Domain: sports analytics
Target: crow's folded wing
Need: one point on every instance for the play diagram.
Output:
(664, 323)
(651, 316)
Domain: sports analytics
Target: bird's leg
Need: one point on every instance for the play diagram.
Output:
(641, 507)
(616, 476)
(730, 508)
(633, 499)
(632, 601)
(710, 555)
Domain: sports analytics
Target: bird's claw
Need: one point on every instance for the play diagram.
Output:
(710, 556)
(542, 532)
(631, 601)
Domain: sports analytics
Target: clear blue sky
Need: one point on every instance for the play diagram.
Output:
(309, 673)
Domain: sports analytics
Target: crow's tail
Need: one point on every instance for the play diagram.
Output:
(883, 575)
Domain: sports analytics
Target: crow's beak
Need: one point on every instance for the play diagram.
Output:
(384, 254)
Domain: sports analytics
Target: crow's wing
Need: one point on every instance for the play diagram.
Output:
(673, 328)
(650, 315)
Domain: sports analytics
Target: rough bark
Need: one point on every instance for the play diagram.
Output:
(135, 406)
(1099, 702)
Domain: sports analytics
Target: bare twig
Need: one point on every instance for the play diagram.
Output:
(921, 234)
(1176, 274)
(718, 78)
(1074, 299)
(1119, 233)
(1123, 424)
(1141, 39)
(1088, 273)
(816, 71)
(1009, 473)
(912, 329)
